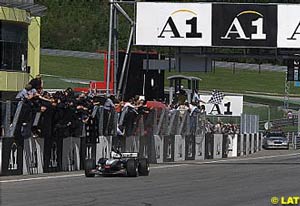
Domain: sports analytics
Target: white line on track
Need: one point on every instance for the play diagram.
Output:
(73, 175)
(168, 166)
(250, 158)
(42, 178)
(155, 167)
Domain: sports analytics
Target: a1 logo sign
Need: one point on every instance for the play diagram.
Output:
(171, 28)
(296, 32)
(288, 26)
(237, 29)
(244, 25)
(217, 111)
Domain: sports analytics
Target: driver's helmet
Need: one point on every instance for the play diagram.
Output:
(115, 155)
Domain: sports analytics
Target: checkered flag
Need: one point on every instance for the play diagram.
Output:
(216, 97)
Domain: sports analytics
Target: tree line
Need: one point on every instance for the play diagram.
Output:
(83, 25)
(75, 24)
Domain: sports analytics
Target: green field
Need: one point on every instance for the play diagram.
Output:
(242, 81)
(69, 67)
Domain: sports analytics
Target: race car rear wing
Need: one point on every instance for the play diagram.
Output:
(130, 154)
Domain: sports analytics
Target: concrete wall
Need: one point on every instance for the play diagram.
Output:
(71, 154)
(103, 147)
(33, 158)
(199, 147)
(179, 148)
(218, 142)
(159, 146)
(170, 148)
(233, 145)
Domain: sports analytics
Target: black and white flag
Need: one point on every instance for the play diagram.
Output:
(216, 98)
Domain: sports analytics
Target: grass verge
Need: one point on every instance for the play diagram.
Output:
(70, 67)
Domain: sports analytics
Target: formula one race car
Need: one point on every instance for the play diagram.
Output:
(127, 164)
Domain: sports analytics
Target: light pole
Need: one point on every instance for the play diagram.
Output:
(269, 114)
(111, 21)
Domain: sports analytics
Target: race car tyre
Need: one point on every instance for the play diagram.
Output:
(89, 165)
(144, 167)
(131, 168)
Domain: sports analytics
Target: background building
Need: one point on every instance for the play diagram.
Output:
(20, 23)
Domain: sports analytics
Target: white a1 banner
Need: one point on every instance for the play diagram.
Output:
(173, 24)
(288, 35)
(227, 105)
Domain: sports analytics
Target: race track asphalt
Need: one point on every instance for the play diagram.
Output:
(234, 182)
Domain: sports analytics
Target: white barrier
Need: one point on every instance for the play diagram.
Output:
(132, 144)
(71, 154)
(252, 136)
(179, 148)
(257, 142)
(33, 152)
(242, 149)
(218, 141)
(200, 147)
(103, 147)
(248, 148)
(233, 146)
(143, 152)
(159, 148)
(261, 141)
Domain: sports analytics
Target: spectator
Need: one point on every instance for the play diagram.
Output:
(182, 109)
(27, 93)
(181, 95)
(194, 111)
(128, 116)
(68, 111)
(37, 83)
(218, 127)
(209, 127)
(108, 107)
(172, 107)
(141, 107)
(119, 107)
(196, 97)
(202, 109)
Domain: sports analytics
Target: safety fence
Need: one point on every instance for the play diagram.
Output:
(294, 140)
(37, 141)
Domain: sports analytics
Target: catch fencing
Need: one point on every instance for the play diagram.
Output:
(35, 141)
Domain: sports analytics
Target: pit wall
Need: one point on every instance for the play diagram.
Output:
(30, 156)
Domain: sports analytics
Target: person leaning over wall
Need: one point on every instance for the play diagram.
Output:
(27, 93)
(109, 108)
(37, 83)
(141, 107)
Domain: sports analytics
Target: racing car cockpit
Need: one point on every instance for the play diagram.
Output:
(115, 155)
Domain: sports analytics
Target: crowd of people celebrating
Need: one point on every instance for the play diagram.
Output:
(68, 109)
